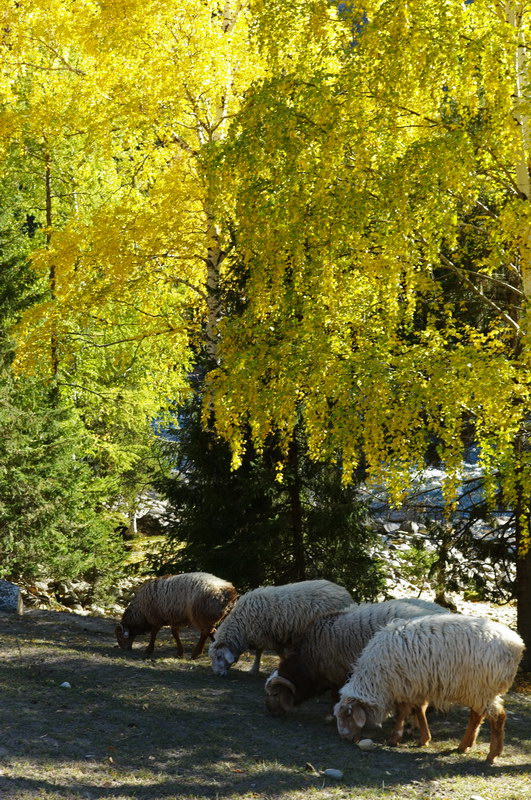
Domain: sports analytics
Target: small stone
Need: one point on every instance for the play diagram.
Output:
(476, 797)
(66, 685)
(367, 744)
(333, 773)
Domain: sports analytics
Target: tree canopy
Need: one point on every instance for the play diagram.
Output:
(334, 161)
(360, 188)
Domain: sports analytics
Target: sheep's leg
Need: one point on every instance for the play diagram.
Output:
(153, 635)
(180, 651)
(468, 740)
(255, 669)
(198, 649)
(402, 711)
(497, 726)
(425, 734)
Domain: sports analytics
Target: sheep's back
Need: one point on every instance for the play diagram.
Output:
(196, 598)
(272, 616)
(333, 643)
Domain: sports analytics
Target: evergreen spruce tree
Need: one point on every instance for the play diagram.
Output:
(53, 519)
(247, 526)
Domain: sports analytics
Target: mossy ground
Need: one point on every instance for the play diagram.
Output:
(169, 728)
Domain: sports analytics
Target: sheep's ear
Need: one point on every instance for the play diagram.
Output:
(229, 656)
(286, 699)
(358, 715)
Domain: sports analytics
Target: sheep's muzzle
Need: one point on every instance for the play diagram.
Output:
(123, 637)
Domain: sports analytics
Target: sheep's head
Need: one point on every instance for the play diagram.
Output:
(351, 716)
(280, 694)
(124, 637)
(222, 658)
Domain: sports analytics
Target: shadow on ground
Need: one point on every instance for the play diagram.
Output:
(169, 728)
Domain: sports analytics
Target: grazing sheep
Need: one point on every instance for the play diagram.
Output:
(272, 617)
(325, 655)
(443, 660)
(197, 599)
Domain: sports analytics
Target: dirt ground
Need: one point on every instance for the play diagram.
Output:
(169, 728)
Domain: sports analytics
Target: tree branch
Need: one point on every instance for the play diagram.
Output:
(183, 144)
(459, 272)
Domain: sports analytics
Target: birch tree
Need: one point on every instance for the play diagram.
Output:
(376, 178)
(117, 110)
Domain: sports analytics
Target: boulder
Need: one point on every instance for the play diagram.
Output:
(11, 598)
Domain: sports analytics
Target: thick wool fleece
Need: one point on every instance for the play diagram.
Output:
(272, 617)
(197, 599)
(444, 659)
(331, 645)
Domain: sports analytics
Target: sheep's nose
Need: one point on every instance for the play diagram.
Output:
(344, 732)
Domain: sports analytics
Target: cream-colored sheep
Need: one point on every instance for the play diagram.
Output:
(272, 617)
(197, 599)
(441, 660)
(324, 657)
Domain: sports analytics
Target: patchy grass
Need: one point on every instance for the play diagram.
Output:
(170, 729)
(143, 546)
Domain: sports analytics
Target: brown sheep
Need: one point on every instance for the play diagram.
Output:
(197, 599)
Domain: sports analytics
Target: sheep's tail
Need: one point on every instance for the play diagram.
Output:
(229, 597)
(219, 603)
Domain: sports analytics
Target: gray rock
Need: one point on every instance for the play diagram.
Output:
(333, 773)
(390, 527)
(11, 598)
(409, 526)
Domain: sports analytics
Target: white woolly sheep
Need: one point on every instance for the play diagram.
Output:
(325, 655)
(443, 660)
(272, 617)
(197, 599)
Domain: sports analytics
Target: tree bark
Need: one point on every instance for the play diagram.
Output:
(54, 346)
(215, 254)
(214, 259)
(297, 525)
(523, 574)
(513, 15)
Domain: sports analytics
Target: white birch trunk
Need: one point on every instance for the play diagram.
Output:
(215, 253)
(213, 262)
